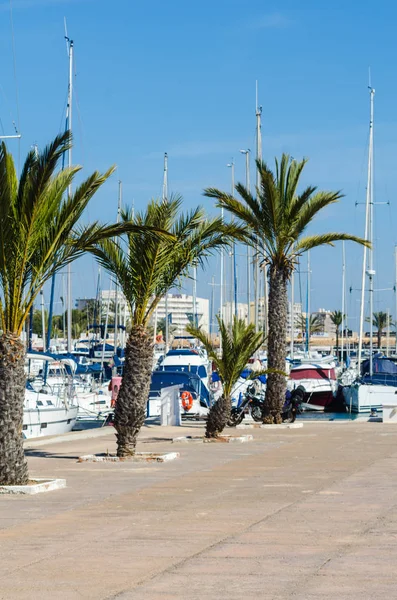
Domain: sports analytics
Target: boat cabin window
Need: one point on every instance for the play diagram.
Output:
(39, 403)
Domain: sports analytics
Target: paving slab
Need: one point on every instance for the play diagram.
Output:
(296, 514)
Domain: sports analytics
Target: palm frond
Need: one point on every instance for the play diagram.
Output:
(313, 241)
(238, 345)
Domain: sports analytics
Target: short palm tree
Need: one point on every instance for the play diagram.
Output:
(276, 221)
(381, 321)
(238, 345)
(146, 268)
(39, 234)
(337, 318)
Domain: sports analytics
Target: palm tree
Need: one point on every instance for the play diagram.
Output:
(315, 324)
(337, 318)
(380, 320)
(146, 269)
(238, 345)
(276, 222)
(39, 235)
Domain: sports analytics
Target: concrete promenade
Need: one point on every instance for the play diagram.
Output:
(300, 514)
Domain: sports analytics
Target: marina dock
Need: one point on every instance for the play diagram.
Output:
(304, 513)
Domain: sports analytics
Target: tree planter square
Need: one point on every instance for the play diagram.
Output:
(138, 457)
(225, 439)
(35, 486)
(283, 426)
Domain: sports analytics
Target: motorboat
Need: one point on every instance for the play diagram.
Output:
(369, 392)
(319, 382)
(188, 361)
(57, 375)
(47, 414)
(190, 386)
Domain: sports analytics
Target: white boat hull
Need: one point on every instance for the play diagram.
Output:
(361, 397)
(42, 421)
(93, 405)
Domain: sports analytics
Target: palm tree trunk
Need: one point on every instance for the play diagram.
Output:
(379, 339)
(276, 345)
(13, 466)
(130, 410)
(337, 343)
(218, 417)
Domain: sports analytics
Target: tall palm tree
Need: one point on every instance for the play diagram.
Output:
(238, 345)
(380, 320)
(146, 268)
(337, 319)
(315, 324)
(276, 222)
(39, 234)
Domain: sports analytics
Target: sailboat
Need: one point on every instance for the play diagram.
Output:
(376, 384)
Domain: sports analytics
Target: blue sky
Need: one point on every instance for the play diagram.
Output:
(180, 77)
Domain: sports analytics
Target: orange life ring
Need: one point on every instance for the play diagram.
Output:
(187, 400)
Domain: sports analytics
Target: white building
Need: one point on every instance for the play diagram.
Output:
(180, 307)
(228, 312)
(261, 315)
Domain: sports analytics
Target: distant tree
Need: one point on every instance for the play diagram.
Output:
(337, 319)
(38, 323)
(315, 325)
(381, 321)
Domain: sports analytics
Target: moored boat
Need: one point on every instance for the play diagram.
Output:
(319, 382)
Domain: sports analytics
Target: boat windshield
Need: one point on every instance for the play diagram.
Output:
(162, 379)
(199, 370)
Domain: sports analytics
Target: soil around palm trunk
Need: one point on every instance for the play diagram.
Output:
(276, 345)
(130, 410)
(13, 465)
(218, 417)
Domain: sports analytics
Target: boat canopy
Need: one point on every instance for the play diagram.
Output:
(312, 372)
(384, 371)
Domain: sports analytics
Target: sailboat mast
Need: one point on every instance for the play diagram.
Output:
(395, 291)
(43, 321)
(258, 114)
(371, 271)
(165, 199)
(116, 293)
(308, 303)
(221, 288)
(248, 185)
(343, 299)
(367, 234)
(69, 271)
(233, 290)
(292, 316)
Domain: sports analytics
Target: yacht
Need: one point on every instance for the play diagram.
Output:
(319, 381)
